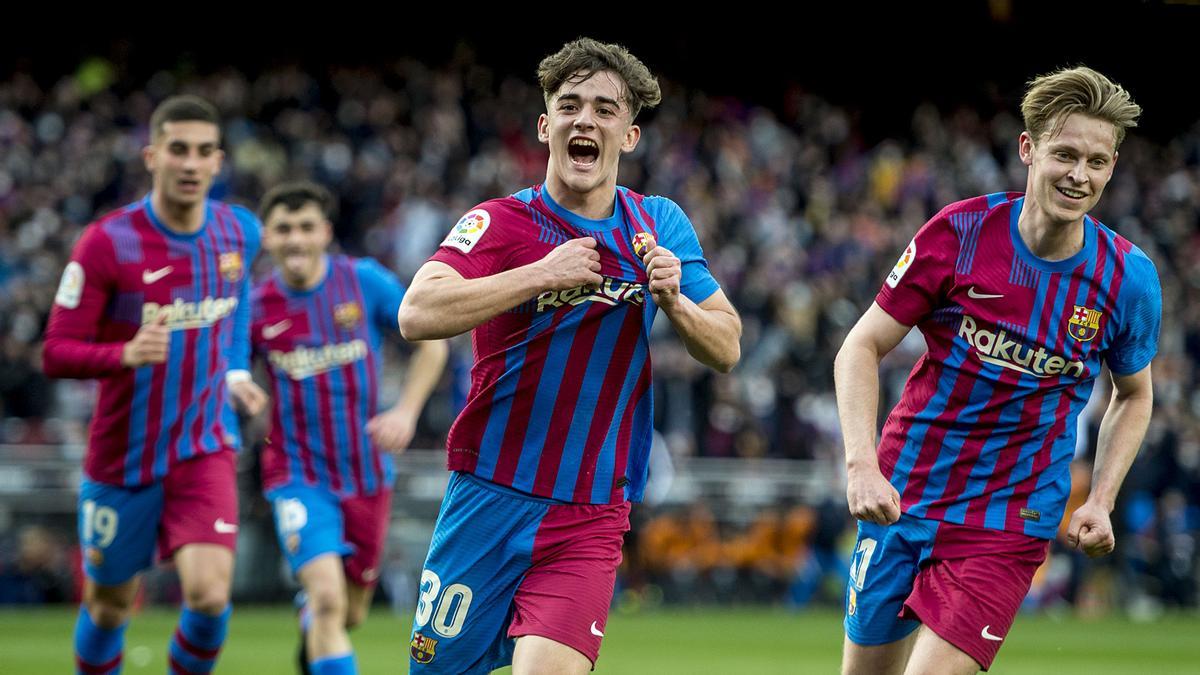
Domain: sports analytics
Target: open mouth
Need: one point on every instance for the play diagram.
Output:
(189, 185)
(584, 152)
(1071, 194)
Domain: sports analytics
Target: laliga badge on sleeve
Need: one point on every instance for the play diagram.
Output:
(70, 289)
(468, 230)
(902, 264)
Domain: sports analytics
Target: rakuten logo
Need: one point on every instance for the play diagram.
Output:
(181, 315)
(609, 291)
(998, 349)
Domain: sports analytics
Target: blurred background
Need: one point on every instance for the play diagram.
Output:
(806, 154)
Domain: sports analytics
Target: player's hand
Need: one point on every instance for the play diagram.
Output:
(664, 271)
(1090, 531)
(572, 264)
(871, 497)
(248, 397)
(393, 429)
(150, 345)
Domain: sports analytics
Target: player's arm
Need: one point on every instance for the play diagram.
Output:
(246, 395)
(1121, 432)
(394, 428)
(856, 378)
(711, 330)
(441, 303)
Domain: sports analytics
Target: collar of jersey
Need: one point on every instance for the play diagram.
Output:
(603, 225)
(148, 203)
(1064, 265)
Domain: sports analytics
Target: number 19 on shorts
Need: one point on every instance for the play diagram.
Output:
(447, 606)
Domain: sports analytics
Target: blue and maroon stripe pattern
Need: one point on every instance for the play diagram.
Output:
(985, 430)
(321, 350)
(560, 403)
(149, 418)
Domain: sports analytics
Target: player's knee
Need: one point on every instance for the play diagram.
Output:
(211, 600)
(109, 613)
(327, 603)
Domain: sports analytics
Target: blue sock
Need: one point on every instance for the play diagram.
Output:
(197, 641)
(336, 664)
(97, 650)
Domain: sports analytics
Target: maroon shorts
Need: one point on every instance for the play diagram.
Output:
(199, 504)
(969, 589)
(366, 521)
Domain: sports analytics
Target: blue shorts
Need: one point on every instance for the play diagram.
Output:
(120, 527)
(503, 564)
(311, 522)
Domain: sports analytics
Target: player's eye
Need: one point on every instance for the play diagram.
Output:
(1063, 155)
(177, 149)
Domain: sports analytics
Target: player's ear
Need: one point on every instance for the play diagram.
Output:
(220, 160)
(1025, 148)
(632, 135)
(543, 128)
(148, 157)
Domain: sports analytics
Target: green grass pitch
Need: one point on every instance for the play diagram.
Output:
(665, 642)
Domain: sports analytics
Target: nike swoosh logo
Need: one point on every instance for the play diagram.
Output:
(988, 636)
(149, 277)
(596, 631)
(276, 329)
(223, 527)
(982, 296)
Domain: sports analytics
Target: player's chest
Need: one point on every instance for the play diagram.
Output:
(166, 271)
(623, 277)
(284, 324)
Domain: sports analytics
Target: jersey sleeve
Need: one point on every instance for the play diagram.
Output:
(476, 246)
(383, 292)
(83, 295)
(1140, 301)
(924, 274)
(239, 351)
(677, 234)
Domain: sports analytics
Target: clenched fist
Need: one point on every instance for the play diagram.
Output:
(150, 345)
(571, 264)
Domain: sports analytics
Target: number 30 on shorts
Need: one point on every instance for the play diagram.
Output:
(446, 606)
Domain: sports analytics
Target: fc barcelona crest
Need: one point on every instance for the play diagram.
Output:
(1084, 323)
(347, 314)
(422, 649)
(230, 265)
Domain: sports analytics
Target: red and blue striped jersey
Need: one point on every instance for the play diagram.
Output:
(560, 399)
(321, 348)
(126, 270)
(984, 431)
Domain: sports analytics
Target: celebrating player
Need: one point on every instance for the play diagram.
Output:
(1020, 298)
(154, 304)
(318, 320)
(553, 442)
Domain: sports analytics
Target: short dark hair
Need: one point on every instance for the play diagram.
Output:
(183, 108)
(294, 195)
(584, 57)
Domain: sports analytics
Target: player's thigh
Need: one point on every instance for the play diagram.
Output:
(200, 504)
(933, 655)
(324, 581)
(366, 520)
(308, 524)
(481, 549)
(971, 589)
(566, 595)
(118, 528)
(884, 563)
(537, 655)
(885, 659)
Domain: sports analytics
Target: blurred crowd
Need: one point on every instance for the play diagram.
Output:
(800, 213)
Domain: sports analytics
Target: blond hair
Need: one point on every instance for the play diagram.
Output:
(1051, 98)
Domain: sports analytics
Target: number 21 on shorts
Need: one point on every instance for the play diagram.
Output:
(447, 607)
(860, 561)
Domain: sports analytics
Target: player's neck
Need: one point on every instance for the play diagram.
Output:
(181, 218)
(1048, 239)
(596, 204)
